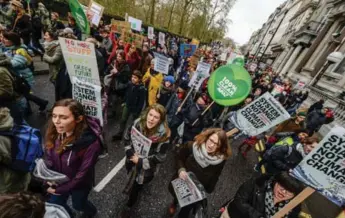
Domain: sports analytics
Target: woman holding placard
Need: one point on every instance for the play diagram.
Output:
(205, 157)
(147, 148)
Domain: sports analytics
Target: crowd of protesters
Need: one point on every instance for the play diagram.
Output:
(155, 104)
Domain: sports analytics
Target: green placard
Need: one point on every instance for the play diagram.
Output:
(79, 15)
(229, 85)
(238, 61)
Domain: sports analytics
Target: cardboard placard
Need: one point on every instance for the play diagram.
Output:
(133, 38)
(120, 26)
(135, 23)
(187, 50)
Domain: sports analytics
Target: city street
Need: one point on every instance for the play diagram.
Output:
(156, 198)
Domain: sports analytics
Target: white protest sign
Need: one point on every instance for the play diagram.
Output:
(324, 167)
(140, 143)
(150, 32)
(278, 89)
(223, 56)
(252, 67)
(161, 63)
(161, 38)
(80, 59)
(96, 11)
(201, 73)
(135, 23)
(261, 115)
(300, 85)
(89, 95)
(186, 191)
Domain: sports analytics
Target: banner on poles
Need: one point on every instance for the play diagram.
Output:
(80, 58)
(150, 33)
(187, 50)
(161, 63)
(141, 143)
(229, 85)
(95, 12)
(186, 191)
(79, 16)
(161, 38)
(120, 26)
(261, 115)
(89, 95)
(324, 167)
(135, 23)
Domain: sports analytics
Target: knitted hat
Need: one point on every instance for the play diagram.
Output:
(170, 79)
(302, 114)
(138, 74)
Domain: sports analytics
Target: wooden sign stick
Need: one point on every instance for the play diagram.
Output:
(294, 202)
(184, 101)
(203, 113)
(232, 132)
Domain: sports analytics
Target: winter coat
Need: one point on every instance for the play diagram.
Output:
(6, 14)
(108, 44)
(22, 26)
(77, 161)
(6, 81)
(315, 120)
(288, 126)
(281, 158)
(57, 25)
(172, 106)
(76, 31)
(207, 176)
(192, 113)
(145, 62)
(135, 98)
(53, 56)
(249, 201)
(11, 181)
(316, 106)
(146, 167)
(165, 95)
(152, 81)
(63, 85)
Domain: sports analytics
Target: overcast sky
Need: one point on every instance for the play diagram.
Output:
(248, 16)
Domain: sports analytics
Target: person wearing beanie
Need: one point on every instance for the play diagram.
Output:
(152, 81)
(11, 181)
(166, 90)
(134, 103)
(291, 125)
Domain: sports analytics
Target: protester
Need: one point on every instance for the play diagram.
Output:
(316, 106)
(21, 205)
(205, 157)
(286, 157)
(55, 22)
(264, 197)
(153, 125)
(291, 125)
(6, 13)
(22, 25)
(152, 81)
(69, 136)
(106, 42)
(11, 181)
(73, 25)
(53, 54)
(166, 90)
(134, 103)
(145, 59)
(132, 57)
(317, 118)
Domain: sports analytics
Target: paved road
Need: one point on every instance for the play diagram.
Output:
(155, 198)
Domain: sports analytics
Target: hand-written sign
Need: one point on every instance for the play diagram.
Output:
(120, 26)
(261, 115)
(133, 38)
(141, 143)
(201, 73)
(324, 167)
(80, 58)
(89, 95)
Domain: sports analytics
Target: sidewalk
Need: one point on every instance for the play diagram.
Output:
(41, 67)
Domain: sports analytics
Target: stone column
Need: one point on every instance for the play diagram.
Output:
(285, 58)
(291, 59)
(299, 59)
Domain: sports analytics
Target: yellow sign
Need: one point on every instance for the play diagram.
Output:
(195, 42)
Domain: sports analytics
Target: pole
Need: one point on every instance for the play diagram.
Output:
(273, 36)
(294, 202)
(204, 112)
(184, 100)
(232, 132)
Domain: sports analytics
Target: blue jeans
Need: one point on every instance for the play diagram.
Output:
(79, 202)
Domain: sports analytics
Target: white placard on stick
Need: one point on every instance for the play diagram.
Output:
(186, 191)
(80, 59)
(161, 63)
(89, 95)
(96, 11)
(324, 167)
(261, 115)
(150, 32)
(161, 38)
(201, 73)
(141, 143)
(135, 23)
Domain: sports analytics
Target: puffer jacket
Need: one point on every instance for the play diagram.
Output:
(6, 82)
(11, 181)
(78, 160)
(315, 120)
(153, 81)
(53, 56)
(146, 167)
(249, 201)
(172, 106)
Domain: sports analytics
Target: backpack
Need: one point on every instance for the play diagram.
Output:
(20, 85)
(26, 147)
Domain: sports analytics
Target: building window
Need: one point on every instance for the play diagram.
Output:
(340, 67)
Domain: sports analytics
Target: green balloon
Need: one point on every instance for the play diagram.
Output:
(238, 61)
(79, 15)
(229, 85)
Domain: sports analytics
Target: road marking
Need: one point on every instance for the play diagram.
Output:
(110, 175)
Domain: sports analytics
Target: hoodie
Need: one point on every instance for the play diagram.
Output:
(78, 160)
(55, 211)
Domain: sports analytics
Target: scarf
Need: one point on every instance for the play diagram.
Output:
(49, 45)
(203, 158)
(299, 148)
(270, 208)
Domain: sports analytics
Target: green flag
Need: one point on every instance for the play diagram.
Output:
(229, 85)
(79, 16)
